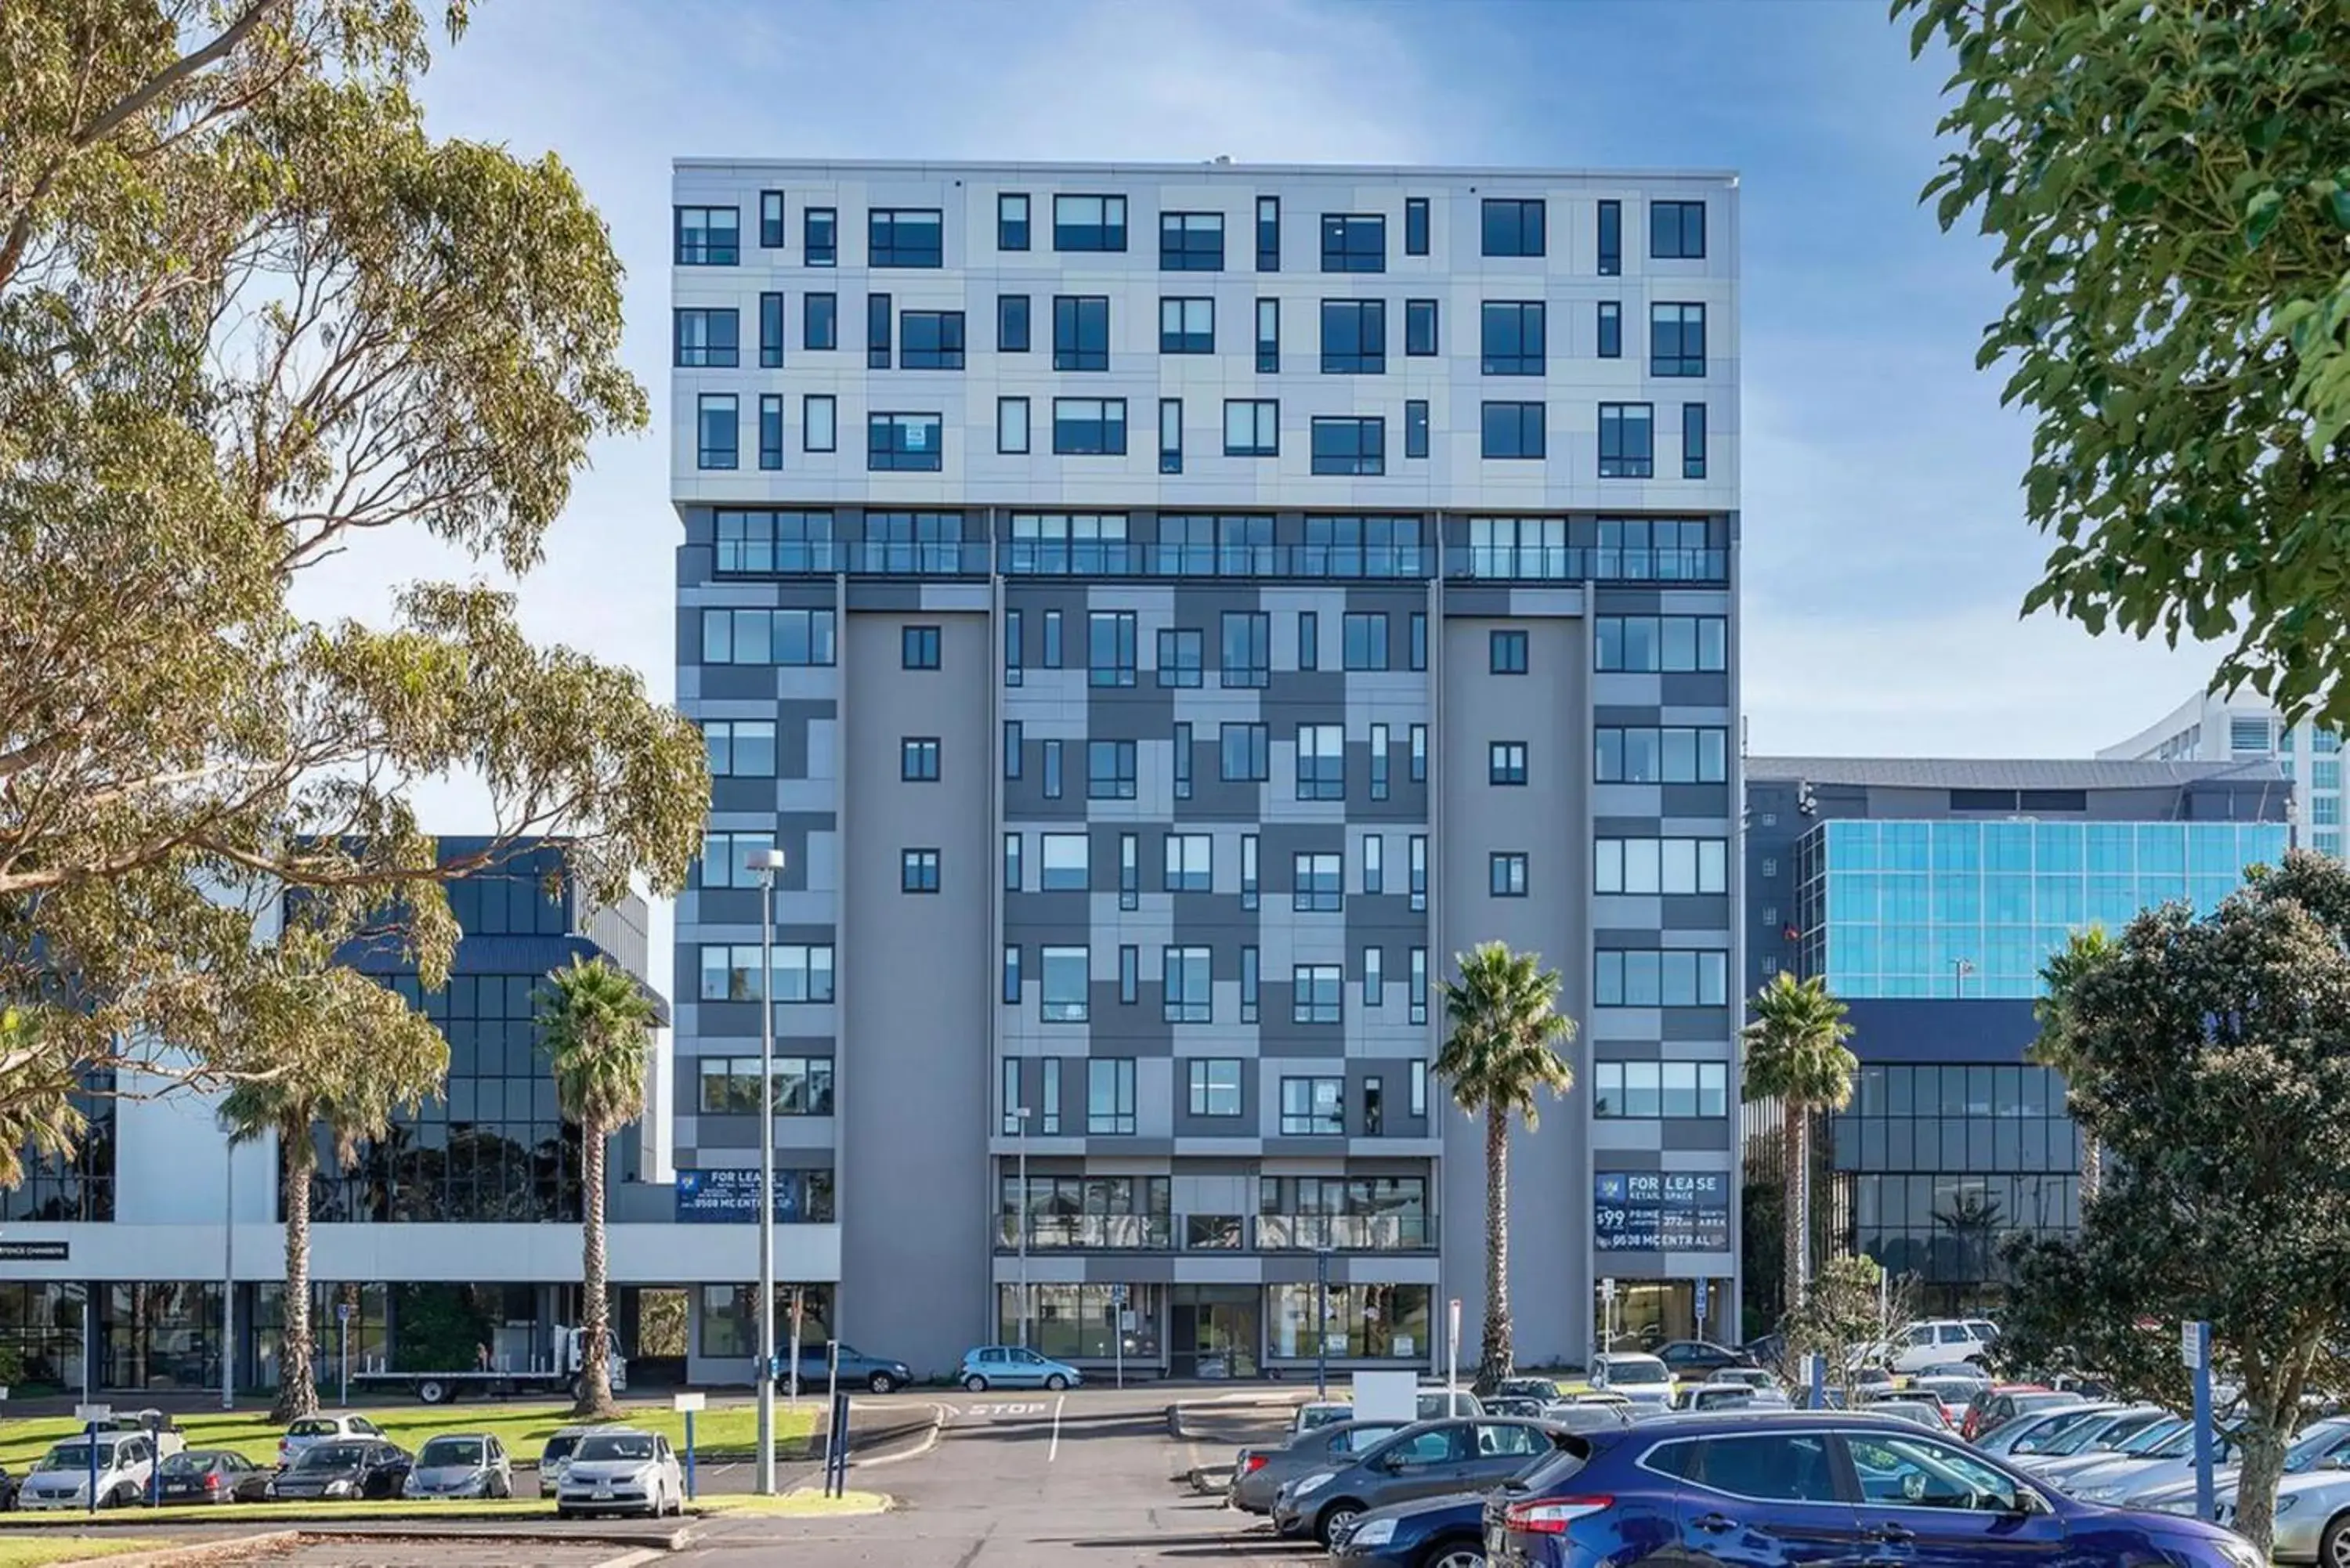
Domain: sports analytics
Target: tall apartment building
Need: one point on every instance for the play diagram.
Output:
(1163, 613)
(2208, 727)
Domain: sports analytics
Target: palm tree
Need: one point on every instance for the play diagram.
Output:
(597, 1025)
(1504, 1046)
(1795, 1054)
(2058, 1043)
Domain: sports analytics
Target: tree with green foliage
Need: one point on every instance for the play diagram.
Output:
(596, 1025)
(372, 1057)
(2213, 1058)
(251, 316)
(1795, 1054)
(2170, 186)
(1501, 1052)
(2052, 1047)
(1848, 1314)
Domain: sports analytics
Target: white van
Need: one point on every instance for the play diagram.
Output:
(126, 1463)
(1939, 1341)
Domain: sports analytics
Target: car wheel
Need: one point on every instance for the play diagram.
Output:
(1453, 1554)
(1057, 1383)
(1331, 1520)
(2334, 1546)
(881, 1383)
(433, 1391)
(975, 1383)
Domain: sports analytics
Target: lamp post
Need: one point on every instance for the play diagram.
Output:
(1020, 1218)
(228, 1272)
(767, 864)
(1960, 968)
(1322, 1322)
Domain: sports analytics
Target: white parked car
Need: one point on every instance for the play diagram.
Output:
(622, 1471)
(2037, 1427)
(311, 1430)
(1938, 1341)
(2127, 1480)
(125, 1462)
(1645, 1380)
(560, 1443)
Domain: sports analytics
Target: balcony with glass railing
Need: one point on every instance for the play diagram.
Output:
(1344, 1232)
(1132, 558)
(1585, 563)
(1220, 1232)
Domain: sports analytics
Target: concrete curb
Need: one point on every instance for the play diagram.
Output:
(229, 1549)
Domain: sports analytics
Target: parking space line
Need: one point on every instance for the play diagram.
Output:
(1055, 1452)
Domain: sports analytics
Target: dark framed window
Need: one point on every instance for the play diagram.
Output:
(771, 220)
(1611, 329)
(1081, 332)
(1363, 640)
(704, 338)
(1187, 985)
(1419, 638)
(1505, 763)
(1314, 1107)
(932, 340)
(1109, 1093)
(1214, 1085)
(917, 759)
(1505, 874)
(905, 237)
(877, 331)
(1356, 445)
(819, 321)
(1111, 655)
(1692, 441)
(771, 431)
(1183, 656)
(1354, 336)
(1677, 230)
(1317, 996)
(1191, 241)
(717, 439)
(819, 424)
(1012, 324)
(917, 871)
(903, 443)
(1109, 770)
(1321, 761)
(1268, 233)
(1187, 326)
(1316, 882)
(1051, 760)
(1354, 241)
(920, 647)
(1246, 754)
(1611, 239)
(1268, 336)
(1513, 335)
(1089, 427)
(1251, 427)
(820, 237)
(740, 748)
(1415, 225)
(1677, 339)
(1247, 649)
(709, 236)
(1012, 425)
(771, 331)
(1627, 446)
(1415, 428)
(1514, 226)
(1420, 327)
(1012, 220)
(1506, 652)
(1512, 431)
(1089, 223)
(1309, 640)
(1171, 435)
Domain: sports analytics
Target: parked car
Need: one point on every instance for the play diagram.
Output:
(1445, 1531)
(211, 1475)
(125, 1461)
(344, 1468)
(1952, 1393)
(1731, 1491)
(1926, 1413)
(2123, 1479)
(1589, 1413)
(1938, 1340)
(1436, 1401)
(622, 1471)
(2313, 1504)
(1321, 1413)
(2002, 1402)
(9, 1485)
(1753, 1377)
(2131, 1429)
(2041, 1423)
(1543, 1388)
(1427, 1459)
(1012, 1366)
(1642, 1379)
(561, 1444)
(1697, 1358)
(1522, 1406)
(314, 1429)
(1258, 1473)
(460, 1464)
(857, 1370)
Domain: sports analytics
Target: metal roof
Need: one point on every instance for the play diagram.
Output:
(1993, 772)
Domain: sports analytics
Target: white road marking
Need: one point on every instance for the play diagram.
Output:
(1053, 1452)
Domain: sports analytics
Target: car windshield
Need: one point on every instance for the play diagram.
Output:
(559, 1446)
(1637, 1369)
(450, 1451)
(187, 1464)
(313, 1429)
(331, 1456)
(2317, 1447)
(606, 1446)
(76, 1457)
(1314, 1415)
(2081, 1435)
(2156, 1435)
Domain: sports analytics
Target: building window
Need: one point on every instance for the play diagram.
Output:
(1245, 753)
(1505, 874)
(730, 973)
(1089, 223)
(1215, 1085)
(1321, 761)
(1011, 991)
(1110, 655)
(1512, 431)
(1420, 327)
(1671, 978)
(1671, 755)
(1314, 1107)
(1513, 337)
(1268, 336)
(740, 748)
(1062, 862)
(1373, 859)
(1611, 329)
(1066, 985)
(902, 444)
(1415, 225)
(709, 236)
(877, 331)
(1420, 754)
(1644, 1090)
(918, 870)
(1415, 428)
(1316, 882)
(1081, 332)
(1109, 1091)
(1677, 340)
(756, 543)
(730, 1086)
(771, 220)
(1129, 871)
(1012, 426)
(725, 859)
(1089, 427)
(1187, 990)
(1189, 863)
(1378, 752)
(933, 340)
(1248, 871)
(817, 432)
(918, 647)
(1374, 978)
(1012, 873)
(1507, 652)
(771, 331)
(819, 322)
(716, 434)
(1364, 638)
(1171, 435)
(820, 237)
(1316, 992)
(1611, 238)
(1649, 644)
(1251, 427)
(1053, 650)
(1181, 657)
(1661, 866)
(1505, 763)
(1626, 441)
(1268, 233)
(1419, 1015)
(1187, 326)
(1109, 770)
(1248, 984)
(904, 238)
(1512, 227)
(1247, 649)
(1692, 441)
(1350, 446)
(1354, 241)
(918, 760)
(1130, 975)
(1354, 336)
(705, 339)
(1012, 220)
(784, 637)
(1677, 230)
(1191, 241)
(1051, 1096)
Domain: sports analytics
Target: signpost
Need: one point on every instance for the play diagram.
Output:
(1118, 1298)
(1607, 1314)
(2195, 1354)
(796, 1301)
(89, 1416)
(835, 1443)
(688, 1404)
(1452, 1356)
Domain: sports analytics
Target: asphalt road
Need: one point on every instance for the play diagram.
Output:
(1033, 1480)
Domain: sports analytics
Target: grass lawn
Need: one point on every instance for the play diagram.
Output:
(33, 1553)
(731, 1427)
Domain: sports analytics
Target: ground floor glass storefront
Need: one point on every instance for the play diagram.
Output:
(1220, 1331)
(1641, 1315)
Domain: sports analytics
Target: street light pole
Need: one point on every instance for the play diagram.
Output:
(228, 1277)
(1020, 1218)
(1960, 968)
(1322, 1322)
(767, 864)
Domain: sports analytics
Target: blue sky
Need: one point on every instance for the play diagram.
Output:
(1886, 552)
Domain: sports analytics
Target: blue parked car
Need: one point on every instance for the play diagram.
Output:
(1818, 1489)
(1434, 1533)
(857, 1370)
(1010, 1366)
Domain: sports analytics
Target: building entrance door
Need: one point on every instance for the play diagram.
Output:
(1216, 1331)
